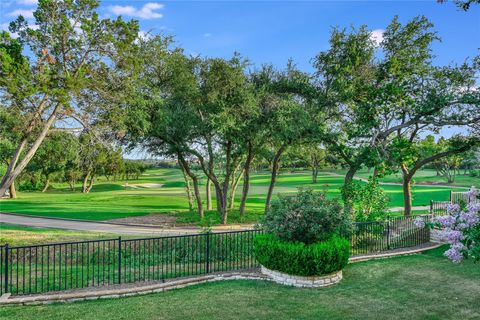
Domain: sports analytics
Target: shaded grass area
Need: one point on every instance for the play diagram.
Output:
(422, 286)
(110, 199)
(16, 235)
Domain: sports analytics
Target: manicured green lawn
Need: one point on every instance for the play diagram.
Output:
(422, 286)
(425, 176)
(110, 200)
(20, 235)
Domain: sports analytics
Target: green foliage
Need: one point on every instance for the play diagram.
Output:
(307, 217)
(370, 200)
(300, 259)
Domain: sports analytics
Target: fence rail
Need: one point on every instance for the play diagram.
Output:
(440, 207)
(73, 265)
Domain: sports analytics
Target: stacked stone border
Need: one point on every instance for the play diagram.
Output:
(303, 282)
(118, 291)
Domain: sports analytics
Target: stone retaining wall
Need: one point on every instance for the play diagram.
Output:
(305, 282)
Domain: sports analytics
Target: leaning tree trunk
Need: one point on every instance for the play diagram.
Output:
(273, 178)
(47, 183)
(85, 182)
(246, 180)
(90, 184)
(13, 192)
(14, 170)
(235, 182)
(187, 186)
(196, 187)
(208, 192)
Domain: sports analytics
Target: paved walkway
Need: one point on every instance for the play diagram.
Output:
(42, 222)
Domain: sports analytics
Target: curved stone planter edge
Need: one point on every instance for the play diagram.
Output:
(300, 281)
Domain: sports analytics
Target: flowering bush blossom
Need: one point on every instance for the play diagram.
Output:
(460, 228)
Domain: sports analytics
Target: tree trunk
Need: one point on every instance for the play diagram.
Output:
(314, 174)
(47, 183)
(407, 191)
(226, 182)
(314, 164)
(13, 170)
(189, 194)
(84, 182)
(347, 190)
(90, 184)
(246, 180)
(233, 190)
(208, 192)
(196, 188)
(273, 178)
(218, 198)
(187, 186)
(13, 192)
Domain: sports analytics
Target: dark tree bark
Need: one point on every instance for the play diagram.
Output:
(187, 186)
(409, 173)
(315, 163)
(246, 179)
(196, 188)
(273, 178)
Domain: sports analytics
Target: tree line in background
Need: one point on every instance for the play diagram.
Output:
(94, 85)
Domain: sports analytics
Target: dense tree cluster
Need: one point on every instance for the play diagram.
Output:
(368, 104)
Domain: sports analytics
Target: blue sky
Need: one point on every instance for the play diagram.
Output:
(274, 31)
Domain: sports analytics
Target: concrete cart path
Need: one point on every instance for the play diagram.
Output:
(32, 221)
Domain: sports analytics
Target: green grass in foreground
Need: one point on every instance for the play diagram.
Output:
(109, 199)
(422, 286)
(16, 235)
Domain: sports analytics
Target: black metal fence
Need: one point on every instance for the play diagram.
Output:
(73, 265)
(438, 207)
(393, 233)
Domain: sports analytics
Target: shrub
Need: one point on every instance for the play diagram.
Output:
(307, 217)
(370, 201)
(297, 258)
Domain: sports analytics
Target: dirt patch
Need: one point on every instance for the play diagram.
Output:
(153, 219)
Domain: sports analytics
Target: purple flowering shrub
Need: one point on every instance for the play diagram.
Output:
(460, 228)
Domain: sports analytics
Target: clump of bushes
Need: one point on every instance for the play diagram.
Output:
(306, 235)
(297, 258)
(306, 217)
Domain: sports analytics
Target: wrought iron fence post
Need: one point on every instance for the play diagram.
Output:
(119, 260)
(388, 232)
(207, 253)
(431, 206)
(6, 267)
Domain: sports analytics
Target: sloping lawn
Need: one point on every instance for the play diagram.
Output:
(423, 286)
(110, 200)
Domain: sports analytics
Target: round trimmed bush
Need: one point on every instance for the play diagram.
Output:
(306, 217)
(297, 258)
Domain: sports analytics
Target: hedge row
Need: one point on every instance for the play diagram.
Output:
(297, 258)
